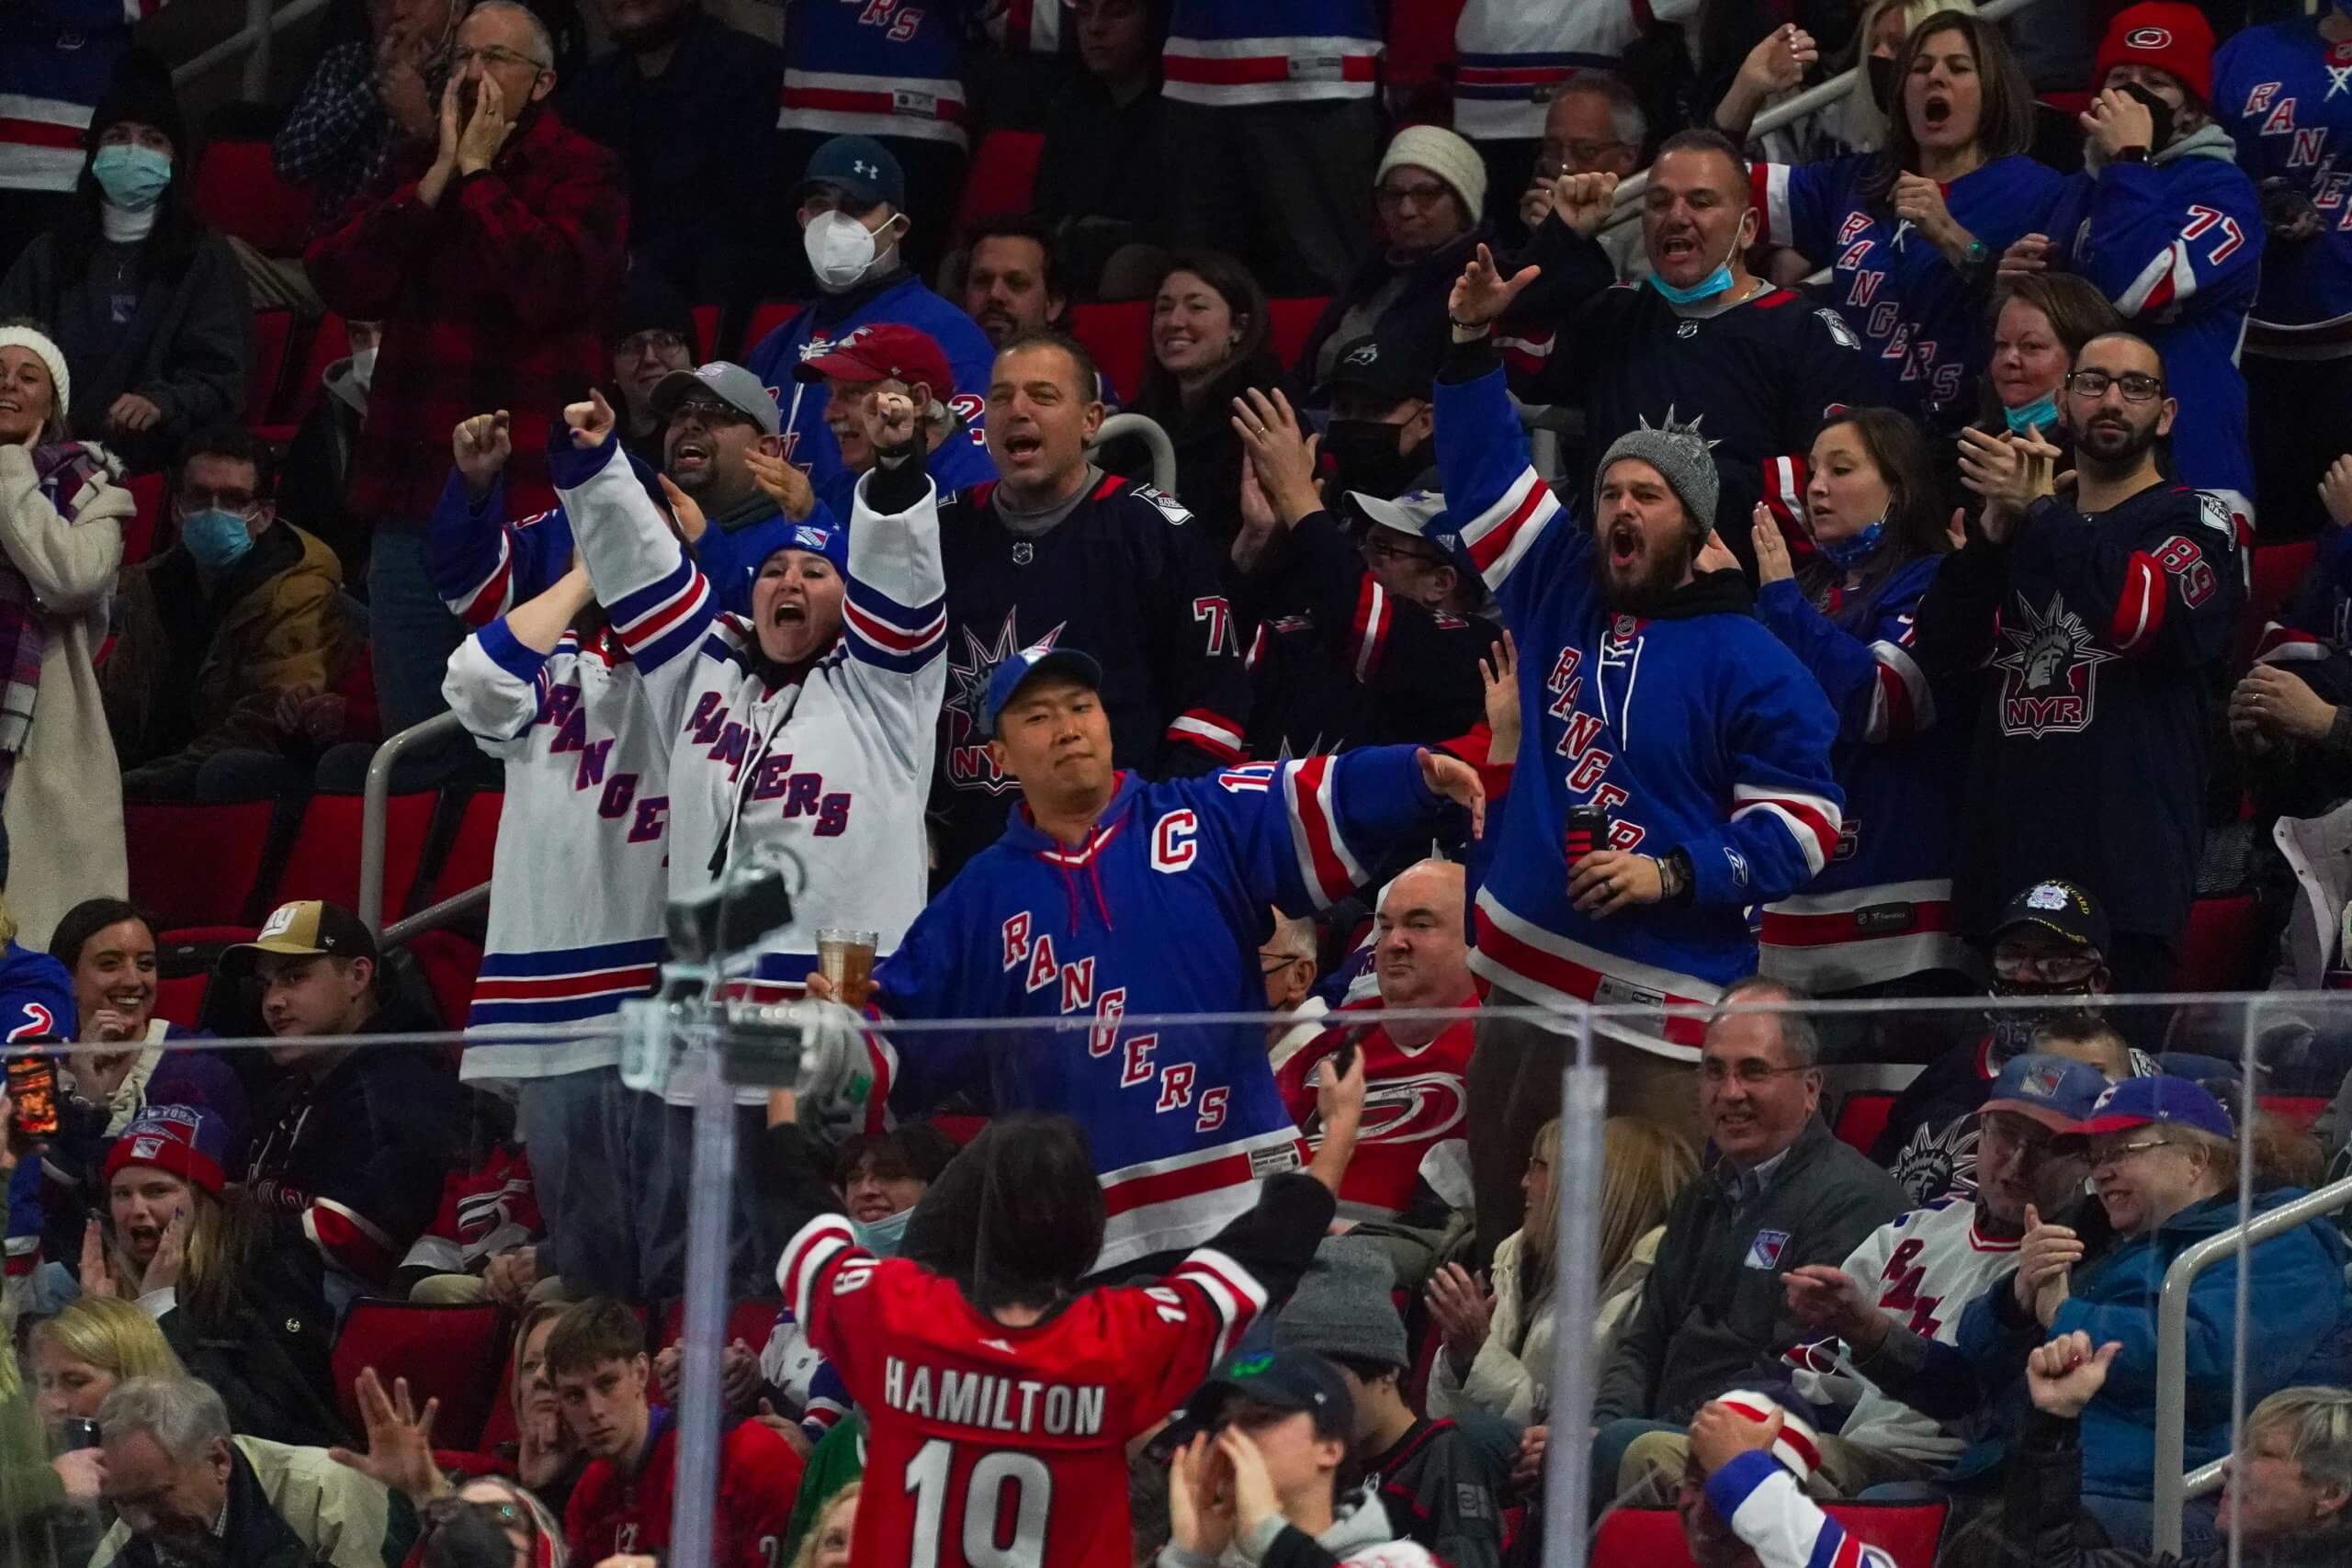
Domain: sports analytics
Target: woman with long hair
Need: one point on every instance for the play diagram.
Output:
(78, 1356)
(146, 302)
(1912, 232)
(1498, 1351)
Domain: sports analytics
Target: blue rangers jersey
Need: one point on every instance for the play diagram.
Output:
(1245, 51)
(572, 934)
(1158, 912)
(1696, 731)
(874, 68)
(2285, 93)
(831, 761)
(35, 996)
(1921, 319)
(1881, 907)
(2177, 243)
(957, 463)
(1765, 1507)
(56, 59)
(814, 331)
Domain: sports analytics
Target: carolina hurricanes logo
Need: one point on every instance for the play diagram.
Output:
(1420, 1109)
(2147, 38)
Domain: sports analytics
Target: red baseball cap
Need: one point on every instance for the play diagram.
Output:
(2166, 34)
(884, 352)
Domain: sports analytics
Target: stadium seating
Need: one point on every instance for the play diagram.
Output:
(139, 534)
(1118, 336)
(1862, 1117)
(273, 338)
(772, 314)
(299, 382)
(449, 1353)
(451, 963)
(238, 192)
(750, 1321)
(1003, 173)
(707, 335)
(323, 862)
(1653, 1537)
(1287, 323)
(2217, 946)
(196, 865)
(2275, 572)
(471, 848)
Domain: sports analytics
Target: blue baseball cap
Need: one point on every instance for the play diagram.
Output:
(2054, 1090)
(1012, 673)
(861, 166)
(2161, 1098)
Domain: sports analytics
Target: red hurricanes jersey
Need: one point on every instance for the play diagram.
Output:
(988, 1445)
(1412, 1102)
(759, 1475)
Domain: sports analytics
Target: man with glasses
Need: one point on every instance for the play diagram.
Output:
(652, 334)
(888, 358)
(2099, 619)
(491, 267)
(1782, 1194)
(1595, 126)
(229, 645)
(1289, 961)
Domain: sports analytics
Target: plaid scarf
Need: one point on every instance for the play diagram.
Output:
(66, 472)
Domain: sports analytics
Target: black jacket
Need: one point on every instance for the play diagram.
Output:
(1208, 454)
(255, 1536)
(269, 1352)
(1393, 301)
(1439, 1488)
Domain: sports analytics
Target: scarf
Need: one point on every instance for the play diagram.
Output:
(65, 472)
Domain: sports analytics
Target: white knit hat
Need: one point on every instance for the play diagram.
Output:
(50, 356)
(1796, 1446)
(1444, 154)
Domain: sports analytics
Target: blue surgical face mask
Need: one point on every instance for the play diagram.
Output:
(1714, 283)
(2042, 412)
(134, 178)
(217, 538)
(884, 1237)
(1847, 553)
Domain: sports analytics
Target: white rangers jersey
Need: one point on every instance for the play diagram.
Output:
(576, 889)
(833, 767)
(1923, 1267)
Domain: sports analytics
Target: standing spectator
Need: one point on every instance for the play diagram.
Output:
(2115, 606)
(57, 63)
(185, 1491)
(1875, 518)
(1058, 552)
(1208, 343)
(61, 544)
(1429, 194)
(1911, 232)
(1707, 341)
(653, 336)
(1271, 134)
(1100, 176)
(852, 206)
(1693, 833)
(686, 102)
(491, 268)
(143, 299)
(225, 644)
(1183, 869)
(1594, 126)
(2274, 89)
(1013, 278)
(2161, 176)
(888, 358)
(355, 1140)
(2039, 323)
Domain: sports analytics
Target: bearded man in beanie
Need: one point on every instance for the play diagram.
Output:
(1649, 813)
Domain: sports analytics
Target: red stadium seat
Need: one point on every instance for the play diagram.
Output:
(471, 850)
(449, 964)
(1002, 174)
(772, 314)
(1288, 321)
(501, 1428)
(181, 999)
(2275, 572)
(751, 1321)
(2219, 940)
(1907, 1532)
(1862, 1118)
(2298, 1110)
(139, 534)
(301, 384)
(1420, 45)
(1119, 338)
(707, 335)
(449, 1353)
(196, 865)
(273, 337)
(238, 192)
(325, 859)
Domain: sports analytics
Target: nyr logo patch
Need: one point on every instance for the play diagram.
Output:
(1764, 1252)
(2051, 673)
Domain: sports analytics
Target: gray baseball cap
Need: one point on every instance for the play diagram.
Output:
(731, 384)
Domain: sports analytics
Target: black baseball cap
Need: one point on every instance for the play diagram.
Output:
(1288, 1381)
(1393, 367)
(861, 167)
(2061, 908)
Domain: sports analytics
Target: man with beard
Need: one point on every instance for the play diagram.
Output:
(2114, 606)
(188, 1493)
(1012, 277)
(1699, 789)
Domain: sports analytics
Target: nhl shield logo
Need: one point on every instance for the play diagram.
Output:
(1024, 552)
(1687, 329)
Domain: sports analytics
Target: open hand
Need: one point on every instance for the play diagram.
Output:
(1500, 678)
(592, 421)
(1780, 61)
(2335, 492)
(1457, 781)
(1714, 555)
(162, 1272)
(1464, 1313)
(97, 1271)
(783, 483)
(1609, 880)
(686, 509)
(400, 1440)
(1199, 1498)
(488, 128)
(2066, 1374)
(1280, 453)
(1253, 1485)
(1482, 294)
(1772, 564)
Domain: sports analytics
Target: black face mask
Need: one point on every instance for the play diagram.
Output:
(1365, 454)
(1881, 75)
(2159, 111)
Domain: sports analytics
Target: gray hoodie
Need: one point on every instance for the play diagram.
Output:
(1360, 1538)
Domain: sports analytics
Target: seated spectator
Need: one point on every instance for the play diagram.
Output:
(889, 359)
(2115, 607)
(2090, 1039)
(1742, 1491)
(653, 336)
(37, 995)
(143, 299)
(1381, 434)
(1284, 1427)
(826, 1543)
(364, 99)
(400, 1456)
(61, 544)
(1013, 281)
(1429, 193)
(548, 1459)
(183, 1491)
(851, 205)
(491, 1522)
(227, 644)
(1437, 1482)
(1099, 179)
(1782, 1192)
(2164, 1163)
(2282, 1501)
(1594, 125)
(595, 1356)
(1289, 958)
(488, 1240)
(354, 1142)
(243, 1309)
(87, 1349)
(1498, 1354)
(1413, 1069)
(1208, 343)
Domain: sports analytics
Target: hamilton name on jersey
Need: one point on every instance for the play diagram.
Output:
(802, 793)
(647, 816)
(991, 1402)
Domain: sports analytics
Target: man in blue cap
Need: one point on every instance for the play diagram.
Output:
(1109, 896)
(851, 206)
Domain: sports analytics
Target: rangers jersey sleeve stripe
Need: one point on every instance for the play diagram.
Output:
(1499, 536)
(1810, 819)
(1764, 1507)
(1371, 637)
(348, 1239)
(1329, 871)
(1211, 731)
(1770, 183)
(809, 1257)
(2169, 277)
(658, 621)
(1904, 704)
(489, 600)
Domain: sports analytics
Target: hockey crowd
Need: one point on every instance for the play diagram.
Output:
(1685, 570)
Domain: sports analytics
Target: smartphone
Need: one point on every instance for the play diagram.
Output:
(32, 1087)
(76, 1432)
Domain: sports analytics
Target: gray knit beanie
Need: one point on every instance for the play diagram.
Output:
(1682, 458)
(1342, 1308)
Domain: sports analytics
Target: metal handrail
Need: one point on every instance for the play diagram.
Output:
(376, 803)
(1813, 99)
(1147, 431)
(252, 40)
(2172, 1342)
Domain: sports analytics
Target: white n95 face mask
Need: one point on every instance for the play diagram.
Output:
(840, 248)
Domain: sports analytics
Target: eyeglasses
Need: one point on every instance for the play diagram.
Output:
(2032, 1147)
(710, 415)
(2055, 968)
(493, 56)
(1751, 1072)
(658, 342)
(2138, 386)
(1275, 962)
(2115, 1154)
(1392, 199)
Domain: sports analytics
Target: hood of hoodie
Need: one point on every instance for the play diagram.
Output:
(1080, 867)
(1364, 1523)
(2205, 141)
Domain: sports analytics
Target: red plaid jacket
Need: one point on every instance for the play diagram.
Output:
(495, 298)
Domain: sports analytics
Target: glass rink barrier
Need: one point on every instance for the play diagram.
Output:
(1956, 1279)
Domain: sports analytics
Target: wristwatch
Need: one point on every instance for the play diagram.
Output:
(2132, 155)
